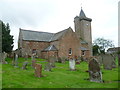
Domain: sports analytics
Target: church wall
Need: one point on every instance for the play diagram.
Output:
(30, 46)
(69, 40)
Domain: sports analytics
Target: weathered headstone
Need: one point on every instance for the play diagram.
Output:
(16, 60)
(114, 60)
(47, 67)
(100, 59)
(33, 63)
(52, 61)
(4, 55)
(107, 61)
(72, 64)
(63, 60)
(38, 70)
(94, 71)
(24, 67)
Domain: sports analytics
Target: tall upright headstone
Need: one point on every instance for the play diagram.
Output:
(107, 61)
(100, 59)
(4, 55)
(52, 61)
(24, 67)
(16, 60)
(38, 70)
(47, 67)
(72, 64)
(94, 71)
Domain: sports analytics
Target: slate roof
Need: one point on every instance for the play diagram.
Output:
(35, 35)
(50, 48)
(58, 35)
(83, 42)
(82, 16)
(83, 48)
(41, 36)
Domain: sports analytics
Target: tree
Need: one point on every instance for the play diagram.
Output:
(102, 44)
(7, 39)
(95, 50)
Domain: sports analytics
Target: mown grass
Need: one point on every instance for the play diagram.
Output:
(60, 77)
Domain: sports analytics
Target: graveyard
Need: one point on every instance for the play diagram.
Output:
(59, 77)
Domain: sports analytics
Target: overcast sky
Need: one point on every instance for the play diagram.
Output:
(56, 15)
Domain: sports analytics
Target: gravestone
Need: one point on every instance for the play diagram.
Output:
(107, 61)
(16, 60)
(63, 60)
(38, 70)
(100, 59)
(114, 60)
(72, 64)
(4, 55)
(24, 67)
(33, 63)
(52, 61)
(47, 67)
(79, 59)
(94, 71)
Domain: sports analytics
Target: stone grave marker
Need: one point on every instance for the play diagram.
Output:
(4, 55)
(63, 60)
(107, 61)
(114, 60)
(24, 67)
(72, 64)
(94, 71)
(100, 59)
(52, 61)
(47, 67)
(38, 70)
(16, 60)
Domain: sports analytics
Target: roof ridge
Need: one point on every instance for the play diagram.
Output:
(35, 31)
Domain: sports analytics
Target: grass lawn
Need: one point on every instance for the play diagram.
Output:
(60, 77)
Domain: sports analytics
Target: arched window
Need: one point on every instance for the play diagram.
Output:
(83, 53)
(70, 51)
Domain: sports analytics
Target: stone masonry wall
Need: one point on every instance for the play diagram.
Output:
(28, 46)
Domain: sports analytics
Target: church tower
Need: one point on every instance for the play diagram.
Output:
(83, 29)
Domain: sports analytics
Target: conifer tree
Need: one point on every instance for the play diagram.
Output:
(7, 39)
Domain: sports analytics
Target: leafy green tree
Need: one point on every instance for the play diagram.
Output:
(102, 44)
(7, 39)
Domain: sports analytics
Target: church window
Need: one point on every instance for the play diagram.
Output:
(34, 51)
(83, 53)
(70, 51)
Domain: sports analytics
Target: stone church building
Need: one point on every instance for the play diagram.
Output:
(61, 44)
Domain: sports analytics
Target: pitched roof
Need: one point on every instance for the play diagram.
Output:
(58, 35)
(41, 36)
(50, 48)
(82, 16)
(35, 35)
